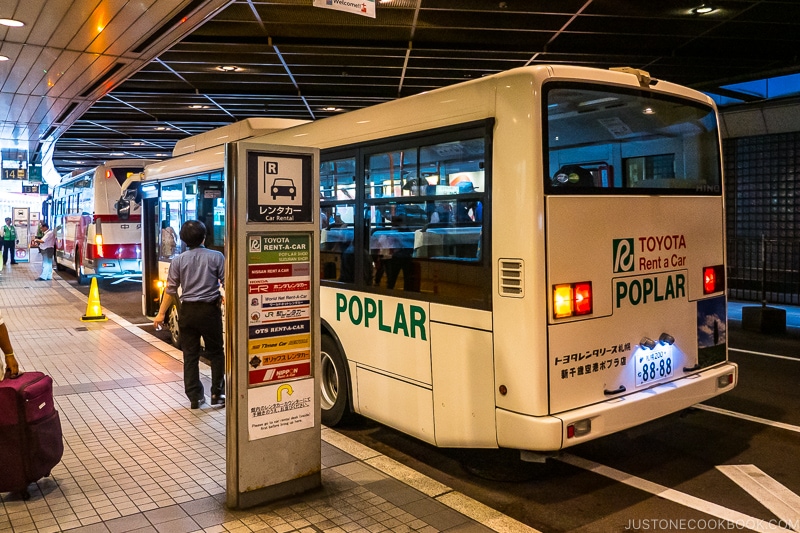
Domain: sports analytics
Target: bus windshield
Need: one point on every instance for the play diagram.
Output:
(610, 140)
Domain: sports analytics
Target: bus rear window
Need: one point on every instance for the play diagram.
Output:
(122, 173)
(610, 140)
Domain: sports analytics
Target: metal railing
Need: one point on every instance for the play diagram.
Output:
(764, 270)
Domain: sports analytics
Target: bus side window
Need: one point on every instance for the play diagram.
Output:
(337, 219)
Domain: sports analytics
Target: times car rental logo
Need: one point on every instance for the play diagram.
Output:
(623, 255)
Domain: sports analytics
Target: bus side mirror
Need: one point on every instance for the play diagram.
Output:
(123, 205)
(123, 208)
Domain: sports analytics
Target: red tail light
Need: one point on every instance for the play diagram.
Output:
(583, 298)
(713, 279)
(572, 299)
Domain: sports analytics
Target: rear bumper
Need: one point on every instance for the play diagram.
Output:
(109, 268)
(548, 433)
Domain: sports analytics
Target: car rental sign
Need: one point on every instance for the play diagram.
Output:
(279, 188)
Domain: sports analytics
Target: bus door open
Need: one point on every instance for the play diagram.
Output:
(151, 293)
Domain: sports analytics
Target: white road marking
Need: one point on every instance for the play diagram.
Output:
(718, 511)
(764, 354)
(784, 503)
(750, 418)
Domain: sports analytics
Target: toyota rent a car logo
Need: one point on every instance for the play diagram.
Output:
(623, 255)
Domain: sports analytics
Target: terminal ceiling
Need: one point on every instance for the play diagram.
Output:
(285, 58)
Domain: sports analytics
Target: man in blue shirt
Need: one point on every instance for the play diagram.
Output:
(199, 272)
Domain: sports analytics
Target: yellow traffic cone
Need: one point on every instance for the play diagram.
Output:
(94, 312)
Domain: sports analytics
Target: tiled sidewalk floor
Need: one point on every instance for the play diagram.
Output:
(136, 458)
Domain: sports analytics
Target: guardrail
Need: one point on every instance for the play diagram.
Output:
(764, 270)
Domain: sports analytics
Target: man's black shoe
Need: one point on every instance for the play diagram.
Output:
(218, 399)
(197, 403)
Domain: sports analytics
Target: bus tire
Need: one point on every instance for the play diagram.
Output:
(83, 279)
(334, 385)
(174, 329)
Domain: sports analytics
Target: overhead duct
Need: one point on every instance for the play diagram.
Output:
(63, 116)
(108, 78)
(169, 25)
(764, 118)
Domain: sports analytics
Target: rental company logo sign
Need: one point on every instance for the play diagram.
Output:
(650, 248)
(655, 253)
(365, 8)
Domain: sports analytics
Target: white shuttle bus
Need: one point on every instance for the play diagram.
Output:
(529, 260)
(187, 186)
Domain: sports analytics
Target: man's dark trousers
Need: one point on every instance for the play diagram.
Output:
(8, 251)
(196, 320)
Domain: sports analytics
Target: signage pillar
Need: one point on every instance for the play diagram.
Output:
(22, 223)
(272, 322)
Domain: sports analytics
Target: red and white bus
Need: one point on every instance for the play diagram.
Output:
(90, 237)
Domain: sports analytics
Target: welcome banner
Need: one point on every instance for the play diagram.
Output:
(359, 7)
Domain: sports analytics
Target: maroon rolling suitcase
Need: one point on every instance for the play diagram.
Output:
(31, 443)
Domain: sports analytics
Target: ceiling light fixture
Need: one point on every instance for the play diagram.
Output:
(11, 23)
(3, 58)
(229, 68)
(198, 106)
(704, 9)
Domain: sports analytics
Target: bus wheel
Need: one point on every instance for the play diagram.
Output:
(174, 329)
(83, 279)
(333, 385)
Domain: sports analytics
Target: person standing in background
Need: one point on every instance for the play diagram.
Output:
(9, 241)
(47, 247)
(199, 272)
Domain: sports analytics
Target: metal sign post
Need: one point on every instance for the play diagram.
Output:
(22, 223)
(272, 322)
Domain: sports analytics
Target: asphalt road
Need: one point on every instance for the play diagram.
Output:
(729, 464)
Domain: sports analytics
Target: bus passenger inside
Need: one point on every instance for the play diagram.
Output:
(573, 176)
(169, 240)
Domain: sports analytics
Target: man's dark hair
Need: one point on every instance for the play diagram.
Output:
(193, 233)
(44, 225)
